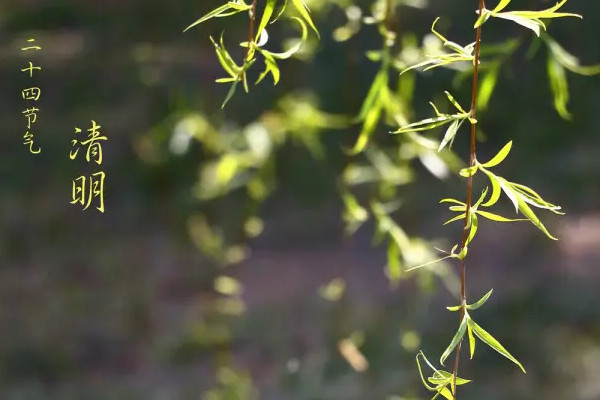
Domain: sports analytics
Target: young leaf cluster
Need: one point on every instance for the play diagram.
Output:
(455, 121)
(473, 329)
(459, 53)
(255, 45)
(529, 19)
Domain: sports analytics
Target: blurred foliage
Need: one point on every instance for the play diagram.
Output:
(183, 168)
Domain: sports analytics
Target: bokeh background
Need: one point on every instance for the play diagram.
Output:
(207, 278)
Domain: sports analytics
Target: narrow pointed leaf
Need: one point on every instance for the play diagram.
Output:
(294, 49)
(496, 191)
(534, 25)
(453, 201)
(471, 340)
(223, 11)
(508, 191)
(501, 6)
(431, 388)
(303, 11)
(454, 102)
(380, 81)
(498, 218)
(456, 339)
(498, 158)
(527, 212)
(492, 342)
(473, 229)
(559, 86)
(267, 13)
(450, 133)
(457, 218)
(481, 301)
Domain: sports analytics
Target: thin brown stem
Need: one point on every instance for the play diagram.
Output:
(252, 12)
(473, 114)
(389, 14)
(251, 28)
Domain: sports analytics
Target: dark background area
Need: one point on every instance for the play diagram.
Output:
(121, 305)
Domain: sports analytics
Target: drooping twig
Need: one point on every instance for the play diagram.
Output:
(473, 113)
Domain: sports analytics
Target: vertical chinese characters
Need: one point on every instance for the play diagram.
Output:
(32, 95)
(85, 189)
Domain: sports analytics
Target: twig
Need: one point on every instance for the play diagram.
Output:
(469, 191)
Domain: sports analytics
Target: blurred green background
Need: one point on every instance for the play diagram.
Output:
(188, 289)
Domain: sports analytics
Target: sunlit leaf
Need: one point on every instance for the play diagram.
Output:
(496, 191)
(467, 172)
(559, 86)
(498, 158)
(498, 218)
(303, 11)
(456, 339)
(267, 13)
(487, 86)
(492, 342)
(294, 49)
(480, 302)
(225, 10)
(568, 60)
(457, 218)
(450, 134)
(501, 5)
(394, 266)
(472, 229)
(471, 340)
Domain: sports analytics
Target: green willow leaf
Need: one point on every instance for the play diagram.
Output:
(303, 11)
(394, 267)
(230, 93)
(456, 339)
(441, 376)
(225, 10)
(498, 158)
(501, 5)
(430, 388)
(496, 191)
(453, 201)
(508, 191)
(534, 24)
(487, 86)
(444, 391)
(480, 302)
(294, 49)
(467, 172)
(281, 11)
(533, 19)
(450, 134)
(267, 13)
(568, 60)
(559, 86)
(225, 59)
(531, 197)
(492, 342)
(454, 102)
(498, 218)
(527, 212)
(379, 82)
(270, 67)
(369, 125)
(457, 218)
(480, 200)
(473, 228)
(471, 341)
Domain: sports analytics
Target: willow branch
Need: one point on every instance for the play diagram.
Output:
(473, 114)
